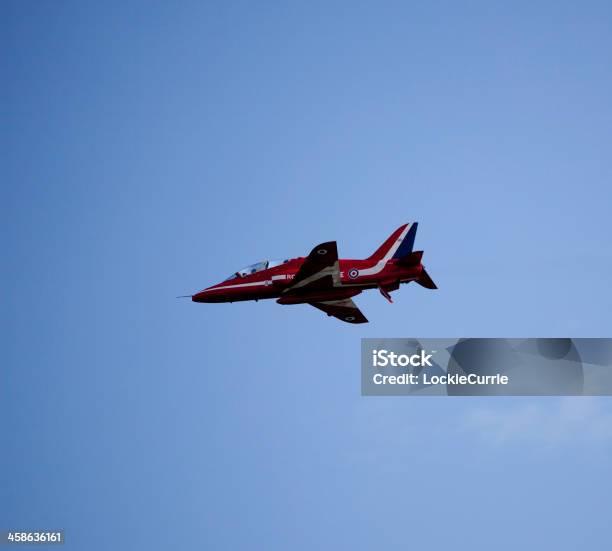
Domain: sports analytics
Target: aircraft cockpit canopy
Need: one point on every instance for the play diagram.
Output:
(257, 267)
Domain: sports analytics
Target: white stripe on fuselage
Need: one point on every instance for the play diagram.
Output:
(236, 285)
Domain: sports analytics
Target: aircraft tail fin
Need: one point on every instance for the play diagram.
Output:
(399, 244)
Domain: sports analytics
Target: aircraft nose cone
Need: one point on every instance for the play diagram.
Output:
(207, 295)
(200, 297)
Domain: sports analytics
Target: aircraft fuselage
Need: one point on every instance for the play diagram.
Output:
(355, 276)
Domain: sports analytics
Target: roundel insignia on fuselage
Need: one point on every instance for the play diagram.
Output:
(353, 273)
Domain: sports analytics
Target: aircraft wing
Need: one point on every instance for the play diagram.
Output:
(320, 270)
(343, 309)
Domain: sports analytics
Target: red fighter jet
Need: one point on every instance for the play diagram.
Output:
(324, 281)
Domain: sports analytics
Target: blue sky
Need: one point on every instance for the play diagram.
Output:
(152, 148)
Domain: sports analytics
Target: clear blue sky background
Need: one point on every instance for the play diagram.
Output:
(150, 148)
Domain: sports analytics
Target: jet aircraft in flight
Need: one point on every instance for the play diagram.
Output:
(324, 281)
